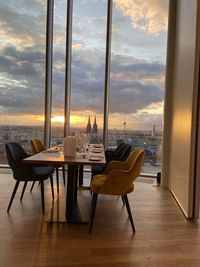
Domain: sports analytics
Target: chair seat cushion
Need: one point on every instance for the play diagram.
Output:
(43, 172)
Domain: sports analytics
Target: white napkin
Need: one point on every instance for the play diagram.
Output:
(69, 146)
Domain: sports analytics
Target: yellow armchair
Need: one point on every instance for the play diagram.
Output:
(122, 165)
(117, 179)
(36, 146)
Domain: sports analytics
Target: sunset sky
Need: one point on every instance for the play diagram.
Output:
(139, 37)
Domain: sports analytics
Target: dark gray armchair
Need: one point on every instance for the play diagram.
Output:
(23, 172)
(121, 153)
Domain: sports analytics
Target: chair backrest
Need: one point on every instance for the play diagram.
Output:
(33, 149)
(113, 152)
(119, 147)
(120, 182)
(136, 165)
(118, 153)
(36, 146)
(125, 152)
(15, 154)
(132, 156)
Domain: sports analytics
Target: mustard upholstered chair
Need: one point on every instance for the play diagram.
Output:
(37, 147)
(117, 179)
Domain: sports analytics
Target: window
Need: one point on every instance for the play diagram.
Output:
(139, 33)
(137, 74)
(88, 60)
(22, 75)
(58, 74)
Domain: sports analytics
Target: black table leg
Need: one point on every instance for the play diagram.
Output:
(71, 191)
(76, 212)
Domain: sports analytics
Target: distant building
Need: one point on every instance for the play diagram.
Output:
(95, 127)
(88, 128)
(6, 137)
(153, 130)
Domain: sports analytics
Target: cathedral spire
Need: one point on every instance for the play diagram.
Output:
(95, 127)
(88, 128)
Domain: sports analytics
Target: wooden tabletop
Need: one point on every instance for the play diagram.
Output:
(93, 155)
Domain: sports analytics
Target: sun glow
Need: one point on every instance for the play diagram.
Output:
(74, 119)
(58, 119)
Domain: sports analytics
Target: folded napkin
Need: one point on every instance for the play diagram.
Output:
(97, 150)
(94, 158)
(69, 146)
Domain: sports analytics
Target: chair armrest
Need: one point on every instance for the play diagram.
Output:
(119, 173)
(117, 183)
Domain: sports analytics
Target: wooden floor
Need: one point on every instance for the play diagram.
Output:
(163, 236)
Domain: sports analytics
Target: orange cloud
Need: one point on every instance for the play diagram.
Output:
(150, 16)
(153, 109)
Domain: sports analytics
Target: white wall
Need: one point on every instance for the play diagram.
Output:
(183, 93)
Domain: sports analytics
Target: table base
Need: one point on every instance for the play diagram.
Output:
(81, 210)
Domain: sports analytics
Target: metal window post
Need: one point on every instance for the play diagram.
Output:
(68, 68)
(48, 72)
(107, 72)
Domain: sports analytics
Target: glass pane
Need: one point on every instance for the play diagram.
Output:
(58, 82)
(88, 57)
(22, 75)
(139, 40)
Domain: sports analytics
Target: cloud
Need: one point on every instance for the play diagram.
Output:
(135, 84)
(24, 25)
(22, 81)
(147, 16)
(21, 63)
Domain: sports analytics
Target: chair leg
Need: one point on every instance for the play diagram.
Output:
(42, 197)
(129, 212)
(32, 186)
(23, 190)
(13, 195)
(93, 209)
(52, 190)
(122, 197)
(57, 179)
(63, 170)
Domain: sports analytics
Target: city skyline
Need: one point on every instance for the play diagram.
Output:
(121, 126)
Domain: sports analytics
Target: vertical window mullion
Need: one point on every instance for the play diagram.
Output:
(68, 67)
(48, 72)
(107, 72)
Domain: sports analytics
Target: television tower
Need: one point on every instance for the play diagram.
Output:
(124, 126)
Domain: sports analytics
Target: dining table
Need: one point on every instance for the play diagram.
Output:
(93, 154)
